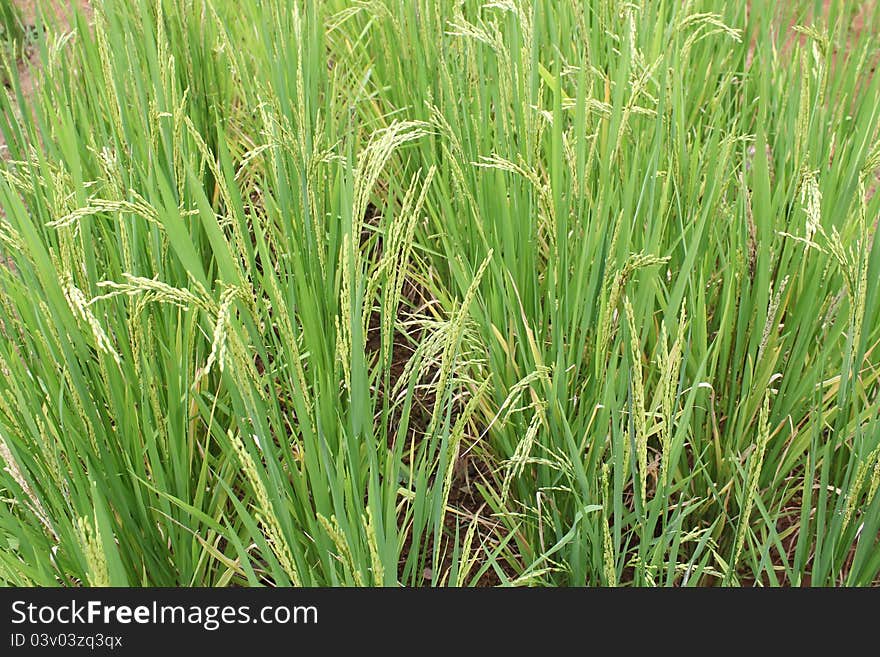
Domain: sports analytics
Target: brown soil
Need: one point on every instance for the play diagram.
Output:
(30, 10)
(465, 504)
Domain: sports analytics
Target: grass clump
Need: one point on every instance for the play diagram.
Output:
(448, 293)
(11, 28)
(12, 34)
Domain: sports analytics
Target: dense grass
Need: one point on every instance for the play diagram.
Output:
(11, 30)
(393, 292)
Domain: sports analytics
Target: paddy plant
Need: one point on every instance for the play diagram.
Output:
(442, 293)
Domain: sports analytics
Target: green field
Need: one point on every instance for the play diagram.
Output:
(442, 293)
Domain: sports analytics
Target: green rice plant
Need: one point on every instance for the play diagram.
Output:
(445, 293)
(11, 28)
(12, 38)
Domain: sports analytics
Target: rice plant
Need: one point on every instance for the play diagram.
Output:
(443, 293)
(12, 31)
